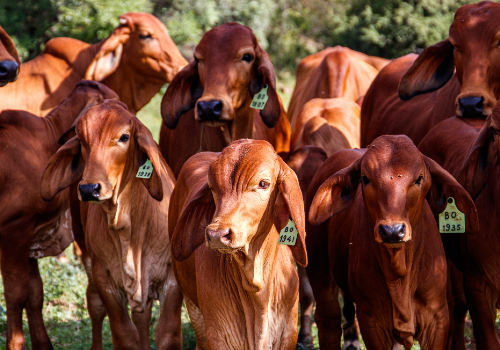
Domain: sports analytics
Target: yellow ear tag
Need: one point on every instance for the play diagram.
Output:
(451, 220)
(145, 171)
(288, 234)
(260, 99)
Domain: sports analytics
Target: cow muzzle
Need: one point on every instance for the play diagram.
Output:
(209, 111)
(392, 233)
(8, 72)
(471, 107)
(90, 192)
(219, 239)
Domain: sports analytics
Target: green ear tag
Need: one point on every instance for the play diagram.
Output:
(260, 99)
(288, 235)
(145, 171)
(451, 220)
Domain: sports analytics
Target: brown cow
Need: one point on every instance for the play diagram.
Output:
(472, 49)
(334, 72)
(384, 248)
(330, 125)
(136, 60)
(213, 95)
(30, 228)
(225, 217)
(470, 151)
(126, 233)
(9, 59)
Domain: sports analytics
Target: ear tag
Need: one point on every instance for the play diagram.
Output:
(145, 171)
(288, 234)
(451, 220)
(260, 99)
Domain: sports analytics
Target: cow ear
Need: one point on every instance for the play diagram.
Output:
(64, 168)
(289, 203)
(181, 95)
(264, 75)
(107, 60)
(146, 148)
(432, 69)
(444, 186)
(189, 232)
(480, 159)
(336, 194)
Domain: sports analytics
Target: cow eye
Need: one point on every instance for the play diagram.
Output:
(247, 58)
(264, 185)
(365, 180)
(498, 43)
(419, 180)
(493, 130)
(124, 138)
(145, 36)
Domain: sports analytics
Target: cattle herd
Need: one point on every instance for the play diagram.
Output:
(245, 211)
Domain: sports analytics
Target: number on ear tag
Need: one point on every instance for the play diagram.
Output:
(288, 235)
(260, 99)
(145, 171)
(451, 220)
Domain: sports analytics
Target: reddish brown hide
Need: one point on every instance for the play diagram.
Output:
(30, 228)
(334, 72)
(126, 224)
(9, 59)
(224, 219)
(136, 60)
(384, 248)
(470, 151)
(434, 91)
(211, 97)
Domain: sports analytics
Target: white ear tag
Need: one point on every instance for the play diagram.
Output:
(451, 220)
(145, 171)
(288, 234)
(260, 99)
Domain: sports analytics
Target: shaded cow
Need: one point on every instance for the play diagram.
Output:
(30, 228)
(126, 229)
(207, 105)
(436, 92)
(225, 216)
(136, 60)
(383, 247)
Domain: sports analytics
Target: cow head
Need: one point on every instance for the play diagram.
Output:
(109, 147)
(483, 156)
(142, 49)
(249, 190)
(229, 68)
(473, 48)
(9, 59)
(395, 179)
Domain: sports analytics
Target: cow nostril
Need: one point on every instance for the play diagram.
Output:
(392, 234)
(90, 192)
(218, 106)
(227, 238)
(8, 70)
(471, 107)
(210, 110)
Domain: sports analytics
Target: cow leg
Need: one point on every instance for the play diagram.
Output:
(375, 336)
(141, 321)
(306, 301)
(457, 306)
(123, 331)
(482, 310)
(34, 305)
(168, 333)
(14, 257)
(198, 323)
(351, 334)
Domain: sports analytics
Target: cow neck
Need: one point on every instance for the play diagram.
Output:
(134, 89)
(396, 266)
(241, 127)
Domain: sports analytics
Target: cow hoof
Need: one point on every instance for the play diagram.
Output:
(352, 345)
(305, 344)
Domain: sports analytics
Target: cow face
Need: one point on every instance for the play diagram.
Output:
(229, 68)
(109, 147)
(249, 190)
(395, 179)
(141, 46)
(9, 59)
(473, 48)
